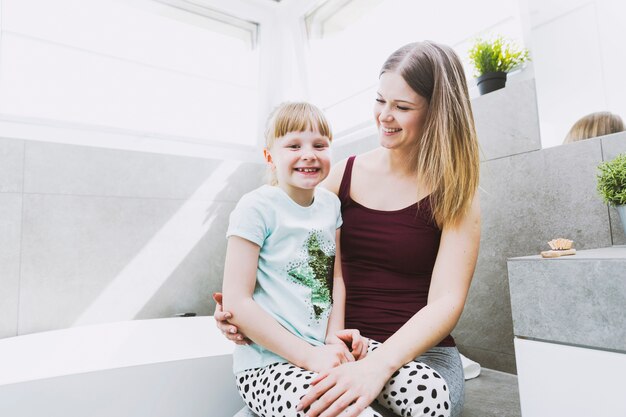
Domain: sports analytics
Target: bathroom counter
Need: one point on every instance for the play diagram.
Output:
(578, 299)
(569, 323)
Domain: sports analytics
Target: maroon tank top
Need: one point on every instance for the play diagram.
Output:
(387, 262)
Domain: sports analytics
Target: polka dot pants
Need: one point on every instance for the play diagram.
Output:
(413, 390)
(275, 390)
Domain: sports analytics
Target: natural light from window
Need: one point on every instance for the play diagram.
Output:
(140, 66)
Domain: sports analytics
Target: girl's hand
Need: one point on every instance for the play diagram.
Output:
(334, 391)
(325, 357)
(221, 321)
(351, 338)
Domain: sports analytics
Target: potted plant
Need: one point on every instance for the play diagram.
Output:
(612, 185)
(493, 59)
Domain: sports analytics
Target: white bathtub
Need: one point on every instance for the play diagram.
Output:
(178, 367)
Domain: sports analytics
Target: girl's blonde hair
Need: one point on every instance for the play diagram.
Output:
(595, 124)
(446, 158)
(294, 117)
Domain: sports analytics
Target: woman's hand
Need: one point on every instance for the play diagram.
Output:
(325, 357)
(351, 338)
(221, 321)
(351, 387)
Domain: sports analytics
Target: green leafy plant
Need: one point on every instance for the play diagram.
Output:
(496, 55)
(612, 181)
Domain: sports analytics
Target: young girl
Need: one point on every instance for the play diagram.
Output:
(282, 276)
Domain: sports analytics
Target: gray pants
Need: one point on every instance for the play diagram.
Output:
(447, 362)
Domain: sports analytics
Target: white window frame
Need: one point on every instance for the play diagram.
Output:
(258, 21)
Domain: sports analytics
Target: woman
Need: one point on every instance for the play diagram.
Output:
(409, 242)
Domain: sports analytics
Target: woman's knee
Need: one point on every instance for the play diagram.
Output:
(416, 390)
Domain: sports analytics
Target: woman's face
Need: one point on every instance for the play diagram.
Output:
(399, 112)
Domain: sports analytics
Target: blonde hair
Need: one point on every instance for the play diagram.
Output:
(594, 124)
(446, 158)
(294, 117)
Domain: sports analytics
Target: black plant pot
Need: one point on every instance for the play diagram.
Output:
(491, 81)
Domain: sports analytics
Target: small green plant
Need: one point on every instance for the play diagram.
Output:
(612, 181)
(496, 55)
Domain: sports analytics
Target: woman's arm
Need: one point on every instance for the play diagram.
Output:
(452, 274)
(239, 281)
(337, 314)
(336, 332)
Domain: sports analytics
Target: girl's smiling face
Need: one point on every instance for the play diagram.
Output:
(301, 160)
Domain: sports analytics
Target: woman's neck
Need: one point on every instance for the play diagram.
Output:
(397, 162)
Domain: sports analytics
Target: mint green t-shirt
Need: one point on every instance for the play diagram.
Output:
(296, 261)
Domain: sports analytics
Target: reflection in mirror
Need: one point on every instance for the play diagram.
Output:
(578, 57)
(593, 125)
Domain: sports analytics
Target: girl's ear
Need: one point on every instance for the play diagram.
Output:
(268, 157)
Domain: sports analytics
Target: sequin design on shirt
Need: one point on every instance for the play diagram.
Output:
(314, 270)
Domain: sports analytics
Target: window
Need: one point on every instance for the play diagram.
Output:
(168, 68)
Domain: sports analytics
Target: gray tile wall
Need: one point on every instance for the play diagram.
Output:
(612, 146)
(528, 199)
(507, 122)
(11, 185)
(524, 205)
(87, 171)
(10, 232)
(12, 166)
(92, 235)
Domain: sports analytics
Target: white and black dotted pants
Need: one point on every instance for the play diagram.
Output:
(413, 390)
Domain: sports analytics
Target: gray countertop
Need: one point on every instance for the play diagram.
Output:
(614, 252)
(578, 300)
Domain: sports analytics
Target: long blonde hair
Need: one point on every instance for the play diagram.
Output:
(290, 117)
(595, 124)
(446, 158)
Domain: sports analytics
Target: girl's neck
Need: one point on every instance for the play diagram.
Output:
(299, 196)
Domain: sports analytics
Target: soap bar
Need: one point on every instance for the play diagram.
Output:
(557, 253)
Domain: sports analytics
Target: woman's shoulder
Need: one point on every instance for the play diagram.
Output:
(333, 181)
(369, 160)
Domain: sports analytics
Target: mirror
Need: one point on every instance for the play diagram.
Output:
(579, 59)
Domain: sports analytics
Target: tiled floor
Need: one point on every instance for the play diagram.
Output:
(492, 394)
